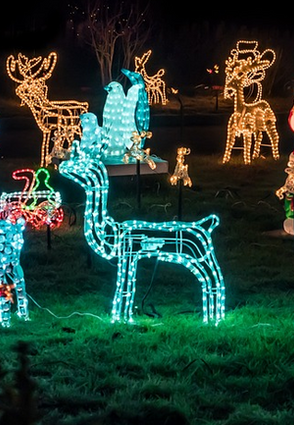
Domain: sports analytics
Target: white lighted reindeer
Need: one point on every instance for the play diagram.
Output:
(58, 120)
(246, 68)
(11, 273)
(188, 244)
(155, 85)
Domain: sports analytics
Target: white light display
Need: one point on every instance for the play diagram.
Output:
(181, 169)
(11, 273)
(246, 68)
(119, 118)
(184, 243)
(58, 120)
(155, 85)
(287, 192)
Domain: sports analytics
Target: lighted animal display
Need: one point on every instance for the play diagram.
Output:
(155, 85)
(12, 281)
(37, 206)
(286, 192)
(58, 120)
(246, 68)
(142, 111)
(137, 152)
(181, 169)
(183, 243)
(119, 118)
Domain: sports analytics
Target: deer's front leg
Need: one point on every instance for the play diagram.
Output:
(247, 147)
(231, 135)
(125, 288)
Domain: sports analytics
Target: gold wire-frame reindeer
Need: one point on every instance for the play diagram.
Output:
(246, 68)
(58, 120)
(181, 169)
(155, 85)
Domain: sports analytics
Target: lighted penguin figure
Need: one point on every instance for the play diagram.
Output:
(119, 118)
(142, 112)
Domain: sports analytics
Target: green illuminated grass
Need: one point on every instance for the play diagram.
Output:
(168, 368)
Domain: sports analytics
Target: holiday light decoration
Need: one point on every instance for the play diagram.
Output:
(155, 85)
(287, 192)
(119, 118)
(58, 120)
(142, 110)
(137, 152)
(37, 207)
(11, 273)
(181, 170)
(291, 118)
(188, 244)
(246, 68)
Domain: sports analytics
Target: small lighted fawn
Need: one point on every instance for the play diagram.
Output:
(58, 120)
(155, 86)
(187, 244)
(244, 68)
(181, 170)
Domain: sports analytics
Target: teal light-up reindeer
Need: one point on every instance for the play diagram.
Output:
(184, 243)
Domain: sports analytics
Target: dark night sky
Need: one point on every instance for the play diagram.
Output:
(39, 22)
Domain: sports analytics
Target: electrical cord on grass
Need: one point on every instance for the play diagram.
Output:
(63, 317)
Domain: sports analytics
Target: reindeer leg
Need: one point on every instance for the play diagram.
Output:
(247, 135)
(257, 144)
(274, 138)
(231, 135)
(131, 288)
(120, 282)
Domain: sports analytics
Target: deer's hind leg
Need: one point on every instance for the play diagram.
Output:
(273, 135)
(257, 138)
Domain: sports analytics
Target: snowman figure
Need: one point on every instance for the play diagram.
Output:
(287, 192)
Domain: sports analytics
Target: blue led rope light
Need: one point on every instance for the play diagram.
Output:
(186, 243)
(11, 272)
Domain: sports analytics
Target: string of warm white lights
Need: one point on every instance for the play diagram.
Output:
(187, 244)
(58, 120)
(246, 68)
(181, 169)
(155, 85)
(136, 150)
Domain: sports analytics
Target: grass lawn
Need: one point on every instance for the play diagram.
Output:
(69, 365)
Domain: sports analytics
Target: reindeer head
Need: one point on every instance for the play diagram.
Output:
(246, 66)
(30, 74)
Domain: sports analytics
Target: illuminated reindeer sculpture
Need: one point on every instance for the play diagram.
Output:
(155, 86)
(188, 244)
(58, 120)
(245, 68)
(11, 272)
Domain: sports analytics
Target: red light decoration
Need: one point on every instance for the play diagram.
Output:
(37, 207)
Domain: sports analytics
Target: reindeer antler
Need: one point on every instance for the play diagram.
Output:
(26, 66)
